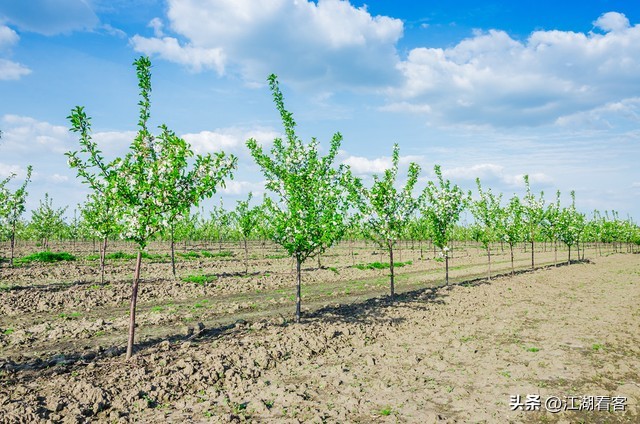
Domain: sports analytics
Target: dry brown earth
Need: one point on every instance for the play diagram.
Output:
(434, 355)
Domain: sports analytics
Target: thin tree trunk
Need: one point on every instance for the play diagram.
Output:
(173, 254)
(391, 271)
(103, 256)
(299, 283)
(132, 309)
(513, 270)
(246, 257)
(532, 263)
(13, 244)
(555, 253)
(446, 267)
(569, 259)
(489, 262)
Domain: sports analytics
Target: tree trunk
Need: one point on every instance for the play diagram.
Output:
(173, 254)
(569, 259)
(13, 243)
(132, 309)
(489, 262)
(555, 253)
(391, 271)
(446, 267)
(513, 270)
(246, 257)
(532, 263)
(299, 283)
(103, 256)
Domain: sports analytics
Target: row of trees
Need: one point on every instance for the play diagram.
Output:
(312, 204)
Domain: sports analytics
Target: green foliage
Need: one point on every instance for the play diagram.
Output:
(444, 203)
(487, 213)
(247, 218)
(47, 221)
(12, 205)
(533, 212)
(312, 197)
(157, 180)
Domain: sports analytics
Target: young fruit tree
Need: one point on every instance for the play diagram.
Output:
(571, 225)
(387, 211)
(100, 210)
(149, 179)
(532, 216)
(312, 197)
(487, 212)
(247, 219)
(12, 206)
(47, 221)
(443, 206)
(511, 226)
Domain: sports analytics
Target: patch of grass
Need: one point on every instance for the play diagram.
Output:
(385, 412)
(46, 256)
(70, 315)
(5, 287)
(506, 374)
(597, 346)
(157, 309)
(200, 279)
(380, 265)
(532, 349)
(8, 331)
(189, 255)
(334, 269)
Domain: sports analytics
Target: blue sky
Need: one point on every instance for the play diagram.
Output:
(493, 89)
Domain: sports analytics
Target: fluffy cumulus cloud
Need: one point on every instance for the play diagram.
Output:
(365, 166)
(302, 41)
(494, 79)
(229, 140)
(10, 70)
(49, 17)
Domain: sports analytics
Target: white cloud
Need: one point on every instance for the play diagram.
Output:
(242, 188)
(57, 178)
(196, 58)
(7, 170)
(492, 78)
(535, 178)
(231, 140)
(8, 37)
(484, 171)
(10, 70)
(491, 174)
(49, 17)
(35, 138)
(612, 21)
(363, 166)
(635, 185)
(300, 40)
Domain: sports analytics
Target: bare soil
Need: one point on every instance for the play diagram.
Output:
(228, 352)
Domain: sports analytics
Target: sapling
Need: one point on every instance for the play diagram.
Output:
(312, 197)
(150, 180)
(387, 211)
